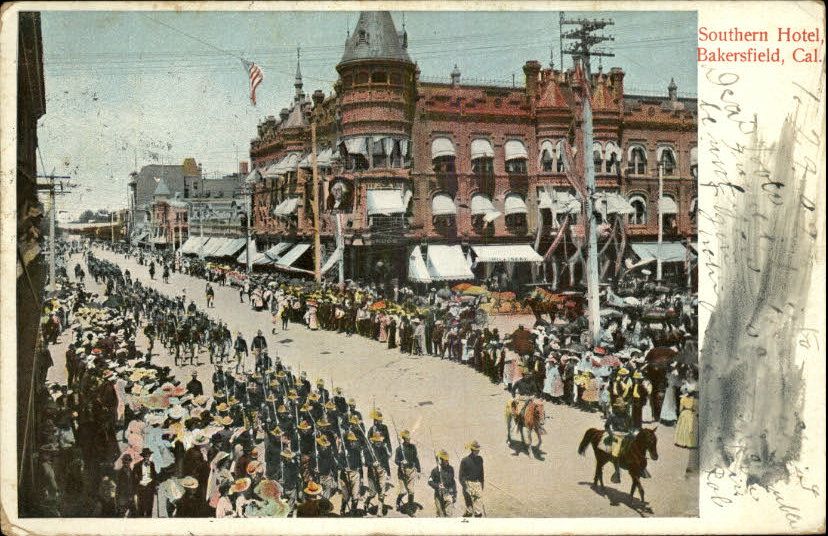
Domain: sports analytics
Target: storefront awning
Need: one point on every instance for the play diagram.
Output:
(417, 269)
(159, 240)
(669, 251)
(443, 205)
(286, 207)
(559, 202)
(212, 247)
(273, 254)
(191, 245)
(441, 147)
(258, 256)
(286, 260)
(231, 247)
(506, 253)
(385, 202)
(253, 177)
(332, 260)
(667, 205)
(288, 163)
(356, 146)
(514, 204)
(447, 263)
(481, 148)
(515, 150)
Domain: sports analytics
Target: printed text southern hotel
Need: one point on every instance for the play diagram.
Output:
(735, 45)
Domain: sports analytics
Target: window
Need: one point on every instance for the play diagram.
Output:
(357, 162)
(379, 77)
(362, 37)
(637, 161)
(483, 166)
(347, 81)
(362, 78)
(667, 159)
(639, 204)
(598, 157)
(560, 166)
(612, 158)
(516, 167)
(396, 78)
(669, 220)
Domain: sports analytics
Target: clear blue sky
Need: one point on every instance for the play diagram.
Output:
(123, 85)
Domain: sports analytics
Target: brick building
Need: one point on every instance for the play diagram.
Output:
(454, 181)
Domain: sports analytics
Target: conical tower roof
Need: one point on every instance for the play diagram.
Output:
(375, 37)
(162, 189)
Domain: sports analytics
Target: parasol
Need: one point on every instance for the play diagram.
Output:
(461, 287)
(660, 356)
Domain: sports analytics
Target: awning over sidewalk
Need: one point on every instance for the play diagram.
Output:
(213, 246)
(506, 253)
(332, 260)
(287, 260)
(259, 257)
(482, 205)
(192, 245)
(385, 202)
(417, 269)
(669, 252)
(273, 254)
(612, 203)
(231, 247)
(447, 263)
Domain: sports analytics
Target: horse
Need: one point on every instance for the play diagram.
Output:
(543, 302)
(633, 458)
(531, 419)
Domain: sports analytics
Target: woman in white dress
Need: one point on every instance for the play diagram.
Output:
(669, 415)
(553, 384)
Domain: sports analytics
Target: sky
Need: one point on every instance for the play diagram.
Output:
(127, 89)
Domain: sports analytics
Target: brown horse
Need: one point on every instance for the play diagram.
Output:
(633, 458)
(531, 419)
(543, 302)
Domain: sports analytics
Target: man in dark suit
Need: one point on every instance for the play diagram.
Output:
(145, 478)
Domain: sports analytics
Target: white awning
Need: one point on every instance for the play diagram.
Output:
(271, 171)
(547, 151)
(514, 204)
(694, 156)
(192, 244)
(417, 269)
(514, 150)
(670, 251)
(667, 205)
(258, 256)
(305, 162)
(213, 247)
(385, 202)
(481, 148)
(332, 260)
(286, 207)
(288, 163)
(292, 256)
(159, 240)
(447, 263)
(273, 254)
(231, 247)
(441, 147)
(443, 205)
(506, 253)
(480, 204)
(323, 159)
(560, 202)
(356, 146)
(612, 203)
(253, 177)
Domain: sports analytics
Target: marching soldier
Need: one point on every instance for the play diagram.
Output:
(378, 472)
(290, 480)
(443, 483)
(339, 401)
(408, 466)
(471, 480)
(327, 466)
(351, 474)
(323, 393)
(380, 428)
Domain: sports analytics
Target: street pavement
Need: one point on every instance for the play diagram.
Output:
(445, 405)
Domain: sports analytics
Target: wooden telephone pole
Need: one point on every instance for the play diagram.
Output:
(581, 50)
(317, 244)
(51, 187)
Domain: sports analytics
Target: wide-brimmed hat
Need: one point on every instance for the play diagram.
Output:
(637, 375)
(405, 434)
(353, 419)
(322, 441)
(442, 454)
(292, 394)
(268, 489)
(376, 437)
(282, 409)
(313, 489)
(240, 485)
(313, 396)
(276, 431)
(330, 406)
(376, 415)
(253, 467)
(304, 425)
(351, 436)
(323, 422)
(189, 482)
(474, 446)
(287, 453)
(225, 420)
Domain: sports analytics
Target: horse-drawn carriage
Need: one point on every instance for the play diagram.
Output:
(568, 305)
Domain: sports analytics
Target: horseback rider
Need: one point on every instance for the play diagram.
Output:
(523, 392)
(617, 430)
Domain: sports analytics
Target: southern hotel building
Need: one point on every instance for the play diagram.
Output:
(437, 182)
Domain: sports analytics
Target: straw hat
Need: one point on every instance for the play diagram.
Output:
(201, 440)
(313, 396)
(405, 434)
(226, 420)
(351, 436)
(330, 406)
(189, 482)
(322, 441)
(240, 485)
(313, 489)
(176, 413)
(292, 394)
(304, 425)
(268, 489)
(323, 422)
(637, 375)
(376, 437)
(276, 431)
(376, 415)
(281, 409)
(474, 446)
(320, 382)
(442, 454)
(253, 467)
(623, 371)
(353, 419)
(287, 453)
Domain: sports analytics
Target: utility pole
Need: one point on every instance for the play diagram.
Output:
(340, 245)
(660, 220)
(50, 186)
(249, 198)
(581, 51)
(112, 227)
(317, 245)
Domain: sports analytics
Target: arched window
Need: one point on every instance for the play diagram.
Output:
(669, 213)
(560, 162)
(514, 206)
(694, 209)
(666, 156)
(546, 158)
(612, 157)
(639, 204)
(637, 160)
(598, 157)
(516, 157)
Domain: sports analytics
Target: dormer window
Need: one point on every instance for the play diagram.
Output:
(362, 37)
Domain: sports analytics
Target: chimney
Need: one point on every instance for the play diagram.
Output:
(672, 90)
(455, 76)
(244, 168)
(532, 70)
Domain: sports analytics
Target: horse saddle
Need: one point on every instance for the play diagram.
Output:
(614, 444)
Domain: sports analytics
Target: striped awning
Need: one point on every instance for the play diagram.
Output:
(417, 269)
(231, 247)
(286, 207)
(447, 263)
(506, 253)
(287, 260)
(385, 202)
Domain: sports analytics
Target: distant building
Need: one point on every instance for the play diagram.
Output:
(412, 166)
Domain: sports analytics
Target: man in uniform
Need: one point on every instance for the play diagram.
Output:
(314, 505)
(240, 346)
(194, 386)
(408, 464)
(382, 429)
(289, 477)
(378, 471)
(327, 466)
(616, 428)
(471, 480)
(351, 474)
(445, 488)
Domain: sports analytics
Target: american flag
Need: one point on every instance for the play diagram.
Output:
(255, 75)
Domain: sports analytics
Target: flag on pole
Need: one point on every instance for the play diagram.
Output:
(255, 76)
